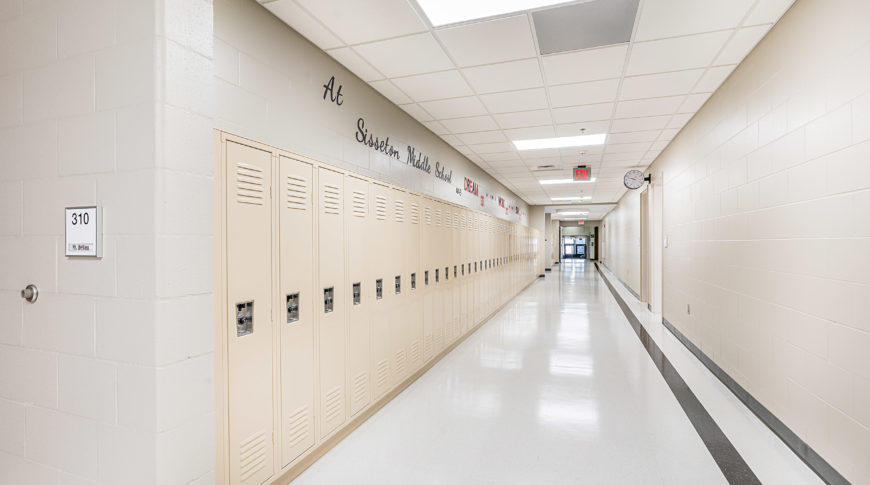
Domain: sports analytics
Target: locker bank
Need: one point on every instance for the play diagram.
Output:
(434, 242)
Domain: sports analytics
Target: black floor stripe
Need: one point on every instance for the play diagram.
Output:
(733, 466)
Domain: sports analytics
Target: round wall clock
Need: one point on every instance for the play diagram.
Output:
(633, 179)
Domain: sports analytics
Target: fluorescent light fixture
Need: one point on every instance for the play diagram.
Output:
(572, 213)
(443, 12)
(560, 142)
(571, 198)
(565, 181)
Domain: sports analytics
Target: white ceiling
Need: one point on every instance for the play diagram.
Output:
(480, 85)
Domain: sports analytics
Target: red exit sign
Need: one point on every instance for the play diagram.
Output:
(581, 223)
(582, 173)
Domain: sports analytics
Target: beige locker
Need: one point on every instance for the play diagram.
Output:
(360, 292)
(440, 252)
(455, 281)
(414, 330)
(331, 299)
(428, 258)
(399, 276)
(296, 304)
(249, 293)
(379, 246)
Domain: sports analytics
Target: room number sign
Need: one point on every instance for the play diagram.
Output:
(83, 232)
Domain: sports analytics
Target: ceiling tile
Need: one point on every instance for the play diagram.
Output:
(659, 146)
(639, 136)
(417, 112)
(669, 134)
(464, 150)
(741, 44)
(530, 132)
(673, 18)
(768, 11)
(497, 157)
(391, 92)
(587, 65)
(454, 108)
(656, 85)
(436, 85)
(583, 93)
(507, 76)
(624, 157)
(591, 127)
(405, 56)
(627, 148)
(499, 147)
(589, 112)
(689, 52)
(511, 101)
(453, 140)
(639, 124)
(499, 40)
(523, 119)
(437, 128)
(482, 137)
(648, 107)
(694, 102)
(680, 120)
(465, 125)
(302, 22)
(356, 22)
(349, 59)
(713, 78)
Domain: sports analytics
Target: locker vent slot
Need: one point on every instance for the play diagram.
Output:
(360, 387)
(427, 344)
(252, 455)
(400, 211)
(381, 372)
(380, 207)
(415, 351)
(249, 184)
(359, 204)
(333, 404)
(437, 340)
(437, 217)
(428, 216)
(455, 221)
(400, 362)
(331, 199)
(298, 426)
(415, 213)
(297, 193)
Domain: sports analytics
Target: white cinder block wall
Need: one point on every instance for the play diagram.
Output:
(767, 210)
(107, 378)
(621, 237)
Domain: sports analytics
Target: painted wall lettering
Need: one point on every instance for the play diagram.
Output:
(417, 160)
(442, 173)
(334, 94)
(363, 136)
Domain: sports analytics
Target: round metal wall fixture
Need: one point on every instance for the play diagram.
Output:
(30, 293)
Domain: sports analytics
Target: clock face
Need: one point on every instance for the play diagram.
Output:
(633, 179)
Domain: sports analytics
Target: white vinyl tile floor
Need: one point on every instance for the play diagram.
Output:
(556, 388)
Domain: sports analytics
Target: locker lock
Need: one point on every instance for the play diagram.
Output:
(426, 277)
(357, 290)
(244, 318)
(398, 284)
(454, 271)
(446, 273)
(413, 281)
(379, 288)
(328, 299)
(292, 307)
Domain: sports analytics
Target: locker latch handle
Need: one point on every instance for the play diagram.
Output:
(292, 307)
(244, 318)
(328, 295)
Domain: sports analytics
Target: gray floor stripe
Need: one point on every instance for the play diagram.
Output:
(733, 467)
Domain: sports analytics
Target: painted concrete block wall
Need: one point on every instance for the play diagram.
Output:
(767, 212)
(107, 378)
(621, 240)
(269, 87)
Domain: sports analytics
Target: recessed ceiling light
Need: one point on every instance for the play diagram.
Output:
(560, 142)
(572, 213)
(443, 12)
(571, 198)
(565, 181)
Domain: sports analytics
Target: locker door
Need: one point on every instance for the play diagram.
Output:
(379, 245)
(442, 311)
(399, 285)
(331, 299)
(360, 295)
(249, 326)
(455, 282)
(415, 307)
(466, 258)
(428, 269)
(295, 315)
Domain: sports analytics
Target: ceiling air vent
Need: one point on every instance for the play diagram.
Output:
(584, 25)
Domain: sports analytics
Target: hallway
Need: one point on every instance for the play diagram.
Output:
(555, 388)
